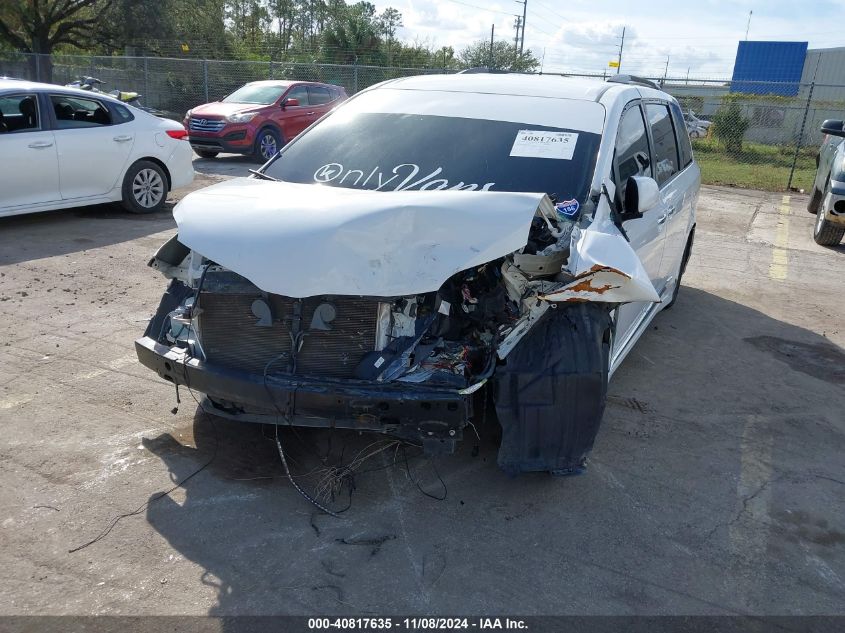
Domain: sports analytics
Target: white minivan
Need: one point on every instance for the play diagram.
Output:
(434, 244)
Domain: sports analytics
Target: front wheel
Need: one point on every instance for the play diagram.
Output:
(144, 188)
(202, 153)
(825, 232)
(267, 145)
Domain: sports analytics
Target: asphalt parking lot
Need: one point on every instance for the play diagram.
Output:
(716, 485)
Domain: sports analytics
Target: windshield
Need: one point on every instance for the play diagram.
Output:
(397, 152)
(264, 95)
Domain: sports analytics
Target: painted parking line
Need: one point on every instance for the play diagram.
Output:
(780, 259)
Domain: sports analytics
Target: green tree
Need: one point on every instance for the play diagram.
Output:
(39, 27)
(159, 27)
(504, 56)
(729, 126)
(352, 36)
(388, 22)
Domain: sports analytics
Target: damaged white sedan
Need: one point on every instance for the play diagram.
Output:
(432, 243)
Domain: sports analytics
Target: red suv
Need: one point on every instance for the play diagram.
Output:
(259, 118)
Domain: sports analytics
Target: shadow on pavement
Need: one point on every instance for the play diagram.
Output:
(48, 234)
(723, 497)
(230, 165)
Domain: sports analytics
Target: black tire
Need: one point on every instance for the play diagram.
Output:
(815, 201)
(684, 260)
(264, 150)
(204, 153)
(825, 232)
(144, 188)
(551, 392)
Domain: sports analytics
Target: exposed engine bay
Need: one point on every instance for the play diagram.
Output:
(451, 337)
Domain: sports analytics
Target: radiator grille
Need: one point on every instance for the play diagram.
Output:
(230, 336)
(206, 125)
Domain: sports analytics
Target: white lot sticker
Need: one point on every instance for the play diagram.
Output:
(541, 144)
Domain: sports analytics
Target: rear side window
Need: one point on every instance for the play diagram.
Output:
(684, 147)
(122, 113)
(632, 158)
(19, 113)
(75, 112)
(665, 144)
(319, 96)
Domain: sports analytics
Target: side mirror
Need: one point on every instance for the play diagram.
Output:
(833, 127)
(641, 194)
(290, 102)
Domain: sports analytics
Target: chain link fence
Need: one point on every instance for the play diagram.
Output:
(759, 135)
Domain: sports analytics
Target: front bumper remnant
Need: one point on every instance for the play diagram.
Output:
(432, 416)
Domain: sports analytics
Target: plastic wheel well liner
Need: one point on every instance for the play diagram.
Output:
(550, 394)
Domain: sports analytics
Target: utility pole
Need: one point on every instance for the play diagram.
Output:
(621, 46)
(665, 71)
(524, 4)
(492, 31)
(516, 22)
(748, 25)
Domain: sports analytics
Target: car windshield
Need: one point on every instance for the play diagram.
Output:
(397, 152)
(264, 95)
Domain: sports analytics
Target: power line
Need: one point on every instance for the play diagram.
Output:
(474, 6)
(550, 10)
(537, 28)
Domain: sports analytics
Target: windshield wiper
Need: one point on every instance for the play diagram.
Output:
(262, 175)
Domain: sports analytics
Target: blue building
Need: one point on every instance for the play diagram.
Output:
(769, 68)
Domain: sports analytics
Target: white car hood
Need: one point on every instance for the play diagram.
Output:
(303, 240)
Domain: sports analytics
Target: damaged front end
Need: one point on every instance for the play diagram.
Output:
(396, 335)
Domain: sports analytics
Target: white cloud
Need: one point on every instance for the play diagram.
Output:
(582, 35)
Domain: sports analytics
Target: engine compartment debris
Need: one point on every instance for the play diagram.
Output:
(452, 336)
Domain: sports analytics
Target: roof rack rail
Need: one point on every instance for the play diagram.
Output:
(484, 69)
(633, 79)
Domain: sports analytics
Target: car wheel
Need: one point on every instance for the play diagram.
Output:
(144, 188)
(684, 260)
(205, 153)
(826, 233)
(267, 144)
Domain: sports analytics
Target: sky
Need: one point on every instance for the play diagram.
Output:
(698, 37)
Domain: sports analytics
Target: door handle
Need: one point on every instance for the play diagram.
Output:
(40, 144)
(672, 210)
(662, 218)
(310, 113)
(123, 138)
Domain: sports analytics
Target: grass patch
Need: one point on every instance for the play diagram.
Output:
(756, 167)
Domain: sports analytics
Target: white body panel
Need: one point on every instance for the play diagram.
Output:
(29, 170)
(104, 163)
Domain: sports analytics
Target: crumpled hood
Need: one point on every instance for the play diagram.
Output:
(303, 240)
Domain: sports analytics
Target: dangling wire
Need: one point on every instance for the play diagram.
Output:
(308, 497)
